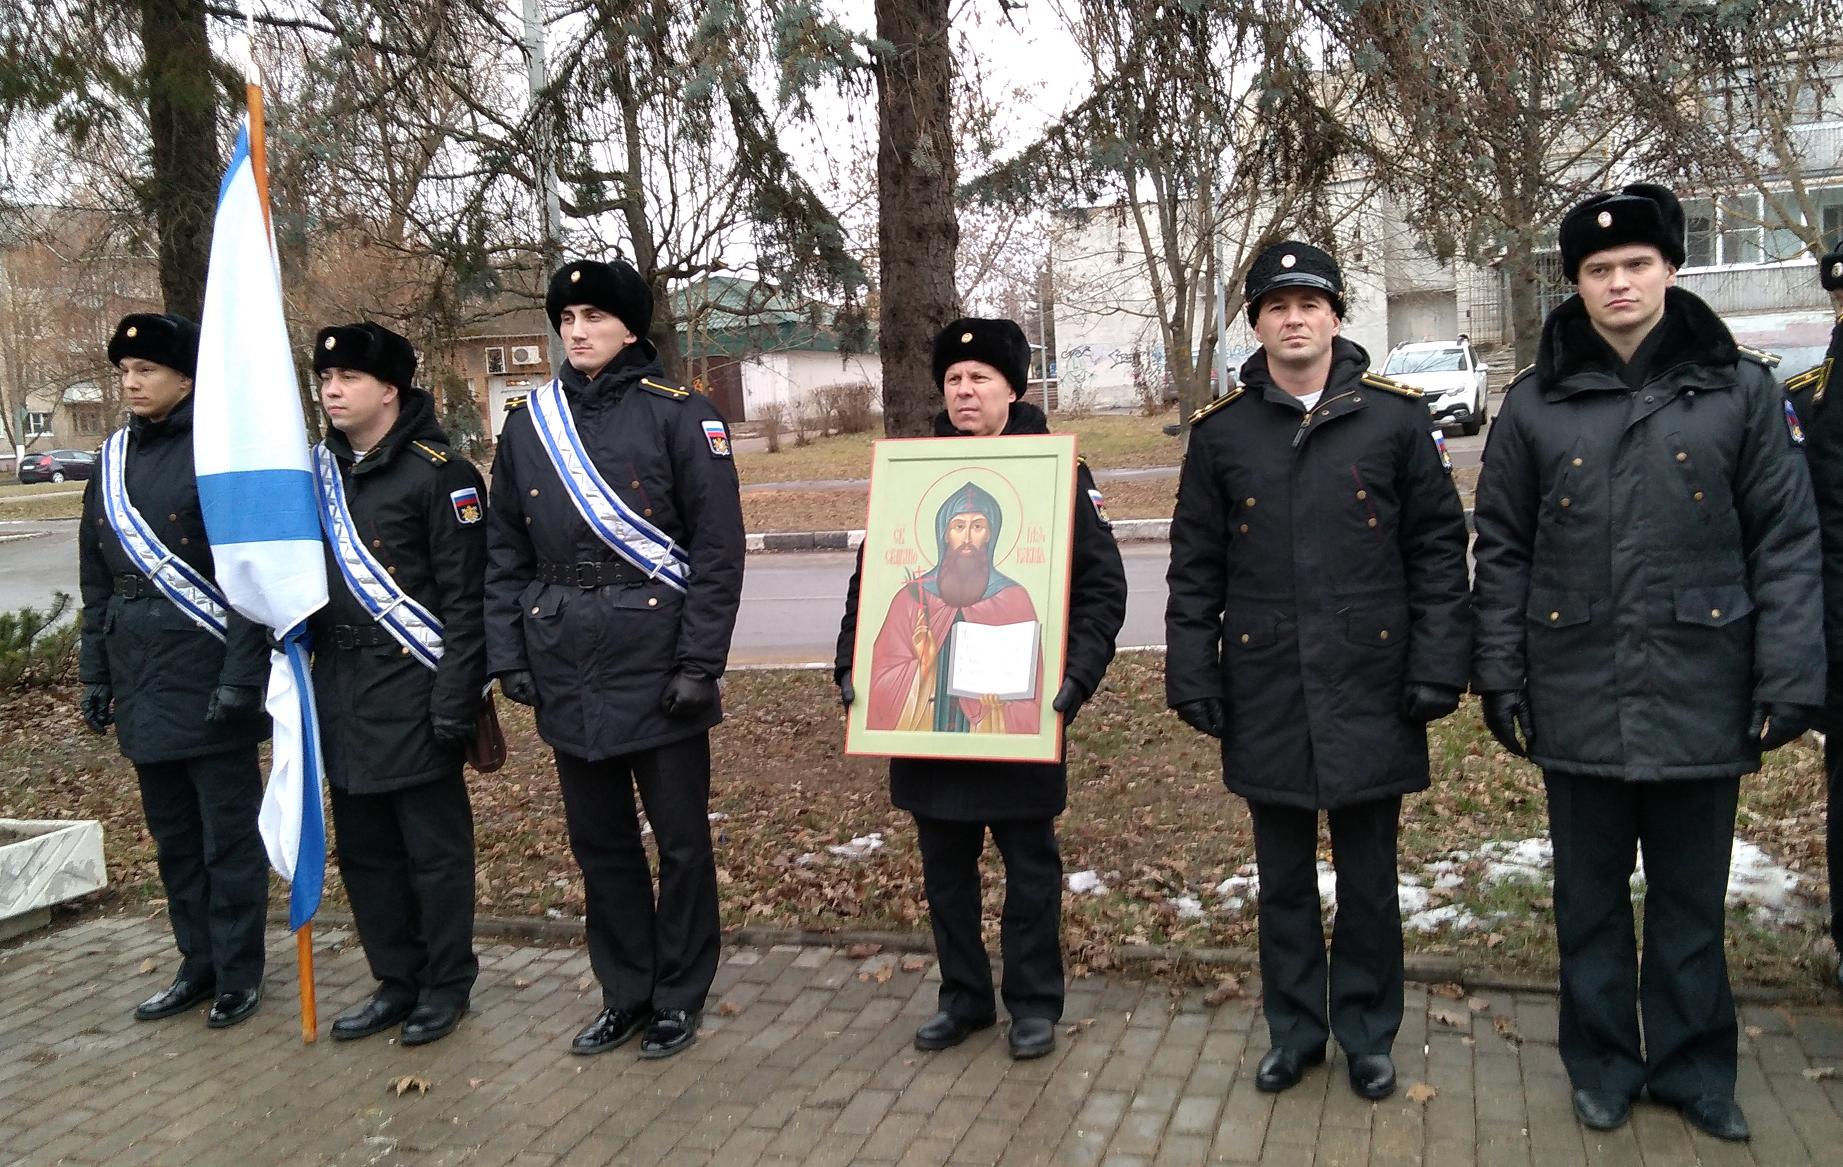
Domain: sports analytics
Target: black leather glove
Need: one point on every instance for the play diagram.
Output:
(1424, 703)
(846, 694)
(688, 694)
(1775, 724)
(1204, 716)
(1507, 717)
(451, 732)
(1069, 699)
(98, 707)
(229, 702)
(518, 686)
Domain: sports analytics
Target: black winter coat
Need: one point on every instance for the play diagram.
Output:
(602, 656)
(1317, 568)
(977, 791)
(163, 667)
(1814, 392)
(375, 699)
(1647, 558)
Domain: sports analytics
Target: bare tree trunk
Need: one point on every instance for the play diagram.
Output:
(182, 120)
(1525, 305)
(917, 228)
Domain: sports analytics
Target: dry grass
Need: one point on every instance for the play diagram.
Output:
(1147, 811)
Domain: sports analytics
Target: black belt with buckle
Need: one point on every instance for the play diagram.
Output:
(360, 636)
(135, 587)
(589, 575)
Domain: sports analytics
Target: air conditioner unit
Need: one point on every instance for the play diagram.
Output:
(526, 354)
(495, 360)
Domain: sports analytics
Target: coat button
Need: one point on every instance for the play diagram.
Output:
(1247, 502)
(172, 518)
(1554, 616)
(392, 569)
(1567, 502)
(534, 492)
(635, 484)
(648, 512)
(536, 610)
(1383, 635)
(1355, 399)
(652, 601)
(1244, 528)
(184, 542)
(377, 542)
(403, 651)
(1649, 399)
(1362, 494)
(1244, 638)
(1714, 613)
(1577, 462)
(1682, 457)
(1371, 520)
(1698, 496)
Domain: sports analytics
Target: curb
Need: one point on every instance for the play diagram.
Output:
(1425, 968)
(1124, 531)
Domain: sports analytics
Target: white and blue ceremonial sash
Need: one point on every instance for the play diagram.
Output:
(409, 623)
(177, 580)
(613, 521)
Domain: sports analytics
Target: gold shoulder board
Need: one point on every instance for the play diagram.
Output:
(671, 391)
(1770, 360)
(1378, 381)
(517, 402)
(1814, 378)
(435, 456)
(1213, 406)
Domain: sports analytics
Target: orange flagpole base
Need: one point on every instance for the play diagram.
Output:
(304, 958)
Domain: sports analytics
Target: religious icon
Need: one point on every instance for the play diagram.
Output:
(963, 599)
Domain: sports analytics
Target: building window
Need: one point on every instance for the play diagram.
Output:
(495, 360)
(1738, 230)
(86, 419)
(37, 424)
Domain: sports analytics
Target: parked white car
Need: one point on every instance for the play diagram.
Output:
(1450, 377)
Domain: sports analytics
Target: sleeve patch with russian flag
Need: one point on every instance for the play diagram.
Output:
(466, 504)
(718, 437)
(1439, 443)
(1094, 496)
(1792, 423)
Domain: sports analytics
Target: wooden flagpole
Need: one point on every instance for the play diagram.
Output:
(259, 169)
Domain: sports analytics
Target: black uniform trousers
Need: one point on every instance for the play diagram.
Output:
(647, 954)
(1833, 836)
(1363, 976)
(1029, 929)
(407, 859)
(1686, 829)
(202, 814)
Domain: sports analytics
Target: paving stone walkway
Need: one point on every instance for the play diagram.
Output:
(805, 1058)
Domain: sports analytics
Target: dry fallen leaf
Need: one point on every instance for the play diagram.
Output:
(1754, 1031)
(1820, 1073)
(1452, 1017)
(149, 965)
(474, 1083)
(520, 983)
(1477, 1004)
(409, 1082)
(1421, 1092)
(1227, 989)
(862, 950)
(1494, 939)
(1450, 991)
(914, 962)
(1506, 1029)
(728, 1009)
(584, 984)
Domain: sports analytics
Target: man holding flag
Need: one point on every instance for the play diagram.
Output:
(178, 673)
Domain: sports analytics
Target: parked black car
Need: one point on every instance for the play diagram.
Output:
(57, 466)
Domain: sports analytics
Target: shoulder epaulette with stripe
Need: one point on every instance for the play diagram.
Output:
(435, 456)
(1814, 378)
(672, 392)
(517, 402)
(1212, 407)
(1378, 381)
(1770, 360)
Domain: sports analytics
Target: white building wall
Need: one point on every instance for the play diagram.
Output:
(791, 377)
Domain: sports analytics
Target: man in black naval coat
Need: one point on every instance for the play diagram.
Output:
(1814, 394)
(1317, 621)
(983, 367)
(186, 703)
(617, 633)
(1648, 597)
(396, 716)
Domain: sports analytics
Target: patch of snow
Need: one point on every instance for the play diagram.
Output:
(807, 859)
(859, 847)
(1519, 861)
(1086, 881)
(716, 816)
(1445, 916)
(1412, 899)
(1188, 907)
(1769, 890)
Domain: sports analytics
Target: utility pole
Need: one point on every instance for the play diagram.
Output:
(537, 78)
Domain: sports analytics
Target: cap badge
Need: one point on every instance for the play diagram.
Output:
(1605, 219)
(576, 276)
(133, 332)
(1288, 260)
(966, 338)
(332, 342)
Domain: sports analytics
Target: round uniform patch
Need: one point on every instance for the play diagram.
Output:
(1605, 219)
